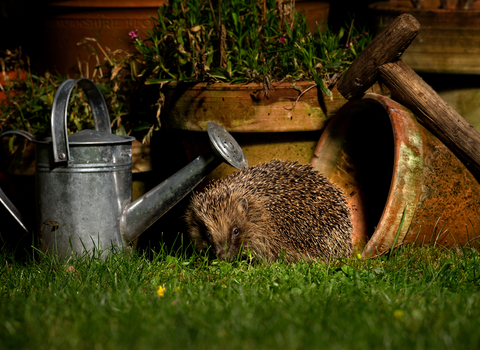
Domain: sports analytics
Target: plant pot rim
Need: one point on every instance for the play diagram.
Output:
(408, 154)
(247, 108)
(107, 3)
(405, 6)
(243, 86)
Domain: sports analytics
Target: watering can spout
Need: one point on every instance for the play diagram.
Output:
(142, 213)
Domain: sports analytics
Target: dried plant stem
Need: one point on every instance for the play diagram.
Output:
(217, 28)
(350, 31)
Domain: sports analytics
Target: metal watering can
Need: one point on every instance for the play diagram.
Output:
(84, 181)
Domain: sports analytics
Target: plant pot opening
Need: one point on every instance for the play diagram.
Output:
(358, 155)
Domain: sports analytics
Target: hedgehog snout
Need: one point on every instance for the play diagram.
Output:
(225, 251)
(220, 253)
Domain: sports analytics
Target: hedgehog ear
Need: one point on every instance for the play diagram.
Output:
(243, 204)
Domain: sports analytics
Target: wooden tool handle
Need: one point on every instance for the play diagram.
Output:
(386, 47)
(436, 114)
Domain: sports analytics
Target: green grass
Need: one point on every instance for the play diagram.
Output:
(415, 299)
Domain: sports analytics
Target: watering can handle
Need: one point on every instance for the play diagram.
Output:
(61, 151)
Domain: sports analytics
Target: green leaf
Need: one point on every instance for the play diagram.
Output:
(398, 231)
(235, 20)
(157, 81)
(219, 73)
(239, 80)
(121, 131)
(103, 89)
(10, 143)
(323, 87)
(143, 126)
(333, 64)
(179, 37)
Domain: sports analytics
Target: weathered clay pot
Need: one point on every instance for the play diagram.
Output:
(449, 39)
(316, 12)
(269, 126)
(386, 163)
(70, 21)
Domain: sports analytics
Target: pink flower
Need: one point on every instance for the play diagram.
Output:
(282, 40)
(355, 39)
(134, 34)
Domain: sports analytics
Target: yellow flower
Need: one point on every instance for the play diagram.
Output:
(161, 290)
(398, 314)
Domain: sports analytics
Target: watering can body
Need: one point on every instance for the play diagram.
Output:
(84, 181)
(80, 202)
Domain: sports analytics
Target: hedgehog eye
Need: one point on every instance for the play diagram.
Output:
(208, 236)
(235, 231)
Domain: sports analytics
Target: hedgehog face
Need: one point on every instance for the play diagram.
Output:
(225, 229)
(227, 242)
(222, 230)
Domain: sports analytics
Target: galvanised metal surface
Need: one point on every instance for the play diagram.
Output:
(80, 203)
(226, 147)
(83, 180)
(390, 167)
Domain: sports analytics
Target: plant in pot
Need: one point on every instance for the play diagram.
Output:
(244, 64)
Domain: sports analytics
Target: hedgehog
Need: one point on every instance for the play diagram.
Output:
(273, 210)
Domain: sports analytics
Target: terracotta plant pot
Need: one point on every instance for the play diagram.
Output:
(449, 39)
(387, 164)
(316, 12)
(281, 124)
(70, 21)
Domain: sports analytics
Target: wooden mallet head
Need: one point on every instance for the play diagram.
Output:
(386, 47)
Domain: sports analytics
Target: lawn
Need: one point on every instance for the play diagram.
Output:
(417, 298)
